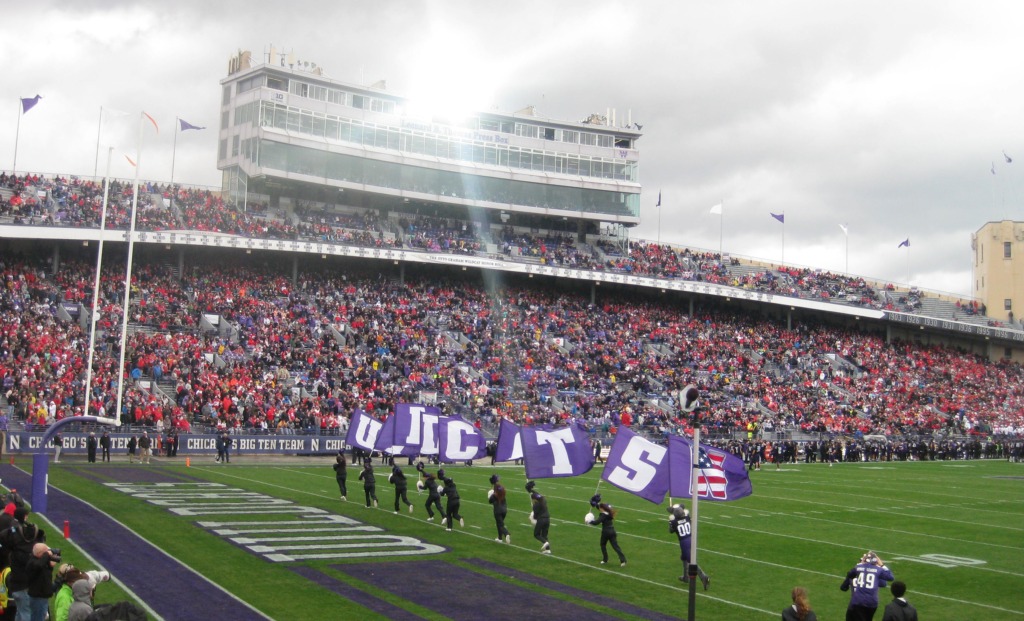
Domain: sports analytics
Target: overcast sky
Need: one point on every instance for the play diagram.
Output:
(884, 115)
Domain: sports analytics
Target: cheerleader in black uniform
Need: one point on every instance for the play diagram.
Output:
(496, 497)
(606, 518)
(341, 474)
(454, 502)
(430, 484)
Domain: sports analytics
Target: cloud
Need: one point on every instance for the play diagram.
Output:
(883, 115)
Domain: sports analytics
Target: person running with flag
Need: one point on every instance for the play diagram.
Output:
(430, 484)
(397, 478)
(341, 474)
(496, 496)
(454, 502)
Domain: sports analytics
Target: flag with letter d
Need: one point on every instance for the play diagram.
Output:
(563, 452)
(363, 431)
(720, 475)
(637, 466)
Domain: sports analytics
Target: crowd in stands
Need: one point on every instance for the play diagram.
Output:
(307, 354)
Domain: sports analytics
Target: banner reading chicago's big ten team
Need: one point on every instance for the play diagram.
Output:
(561, 452)
(363, 430)
(188, 444)
(638, 466)
(459, 440)
(411, 430)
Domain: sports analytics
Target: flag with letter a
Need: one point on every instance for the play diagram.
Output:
(720, 475)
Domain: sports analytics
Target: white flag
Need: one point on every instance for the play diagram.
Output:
(717, 209)
(843, 226)
(114, 113)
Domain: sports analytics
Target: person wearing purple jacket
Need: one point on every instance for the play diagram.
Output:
(866, 578)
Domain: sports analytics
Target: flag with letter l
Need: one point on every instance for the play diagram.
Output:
(363, 431)
(717, 209)
(186, 125)
(459, 440)
(721, 475)
(905, 242)
(780, 217)
(563, 452)
(637, 466)
(27, 103)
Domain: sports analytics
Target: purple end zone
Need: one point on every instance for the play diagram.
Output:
(465, 595)
(593, 598)
(165, 584)
(362, 598)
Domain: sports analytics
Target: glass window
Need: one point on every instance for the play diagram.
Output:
(278, 84)
(588, 139)
(490, 155)
(234, 146)
(336, 97)
(508, 127)
(248, 84)
(224, 117)
(604, 141)
(574, 165)
(299, 88)
(393, 139)
(293, 120)
(226, 96)
(570, 136)
(345, 130)
(319, 123)
(549, 162)
(222, 152)
(1006, 250)
(358, 101)
(622, 142)
(281, 117)
(490, 125)
(331, 129)
(538, 161)
(1007, 304)
(503, 157)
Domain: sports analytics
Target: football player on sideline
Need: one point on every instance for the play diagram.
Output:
(679, 525)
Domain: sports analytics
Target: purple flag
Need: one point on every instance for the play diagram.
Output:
(415, 429)
(186, 125)
(27, 103)
(459, 440)
(563, 452)
(659, 199)
(993, 168)
(781, 217)
(1009, 160)
(510, 444)
(385, 443)
(363, 431)
(638, 466)
(905, 242)
(722, 475)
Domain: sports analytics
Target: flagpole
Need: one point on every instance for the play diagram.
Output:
(99, 128)
(693, 571)
(96, 285)
(847, 231)
(128, 274)
(908, 266)
(659, 219)
(17, 134)
(174, 150)
(720, 216)
(783, 239)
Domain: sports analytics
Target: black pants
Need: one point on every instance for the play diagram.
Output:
(400, 494)
(614, 540)
(92, 456)
(540, 530)
(106, 453)
(860, 613)
(434, 501)
(499, 521)
(453, 511)
(342, 488)
(227, 456)
(371, 492)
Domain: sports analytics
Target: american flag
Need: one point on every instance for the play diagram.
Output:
(711, 479)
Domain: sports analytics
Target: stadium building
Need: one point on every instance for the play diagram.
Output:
(289, 133)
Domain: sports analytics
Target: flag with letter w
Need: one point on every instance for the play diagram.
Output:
(720, 475)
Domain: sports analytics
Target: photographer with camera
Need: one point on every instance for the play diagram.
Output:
(39, 570)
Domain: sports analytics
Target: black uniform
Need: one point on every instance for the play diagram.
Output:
(220, 448)
(227, 449)
(608, 535)
(369, 484)
(453, 502)
(175, 441)
(105, 445)
(341, 474)
(398, 479)
(433, 497)
(90, 445)
(500, 511)
(543, 519)
(132, 443)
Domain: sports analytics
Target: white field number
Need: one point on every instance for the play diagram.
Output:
(940, 560)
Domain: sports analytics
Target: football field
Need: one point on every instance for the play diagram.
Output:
(275, 541)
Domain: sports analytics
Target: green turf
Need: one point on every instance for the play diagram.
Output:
(805, 525)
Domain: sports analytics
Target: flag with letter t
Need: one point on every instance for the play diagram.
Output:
(637, 466)
(563, 452)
